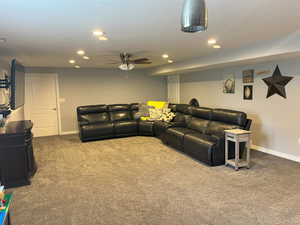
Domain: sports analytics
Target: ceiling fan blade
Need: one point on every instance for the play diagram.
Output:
(140, 60)
(144, 62)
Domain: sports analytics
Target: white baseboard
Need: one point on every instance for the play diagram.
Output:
(276, 153)
(69, 132)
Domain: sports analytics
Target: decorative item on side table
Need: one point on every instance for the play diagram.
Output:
(276, 83)
(237, 136)
(248, 92)
(229, 84)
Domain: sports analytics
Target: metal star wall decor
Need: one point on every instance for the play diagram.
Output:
(277, 83)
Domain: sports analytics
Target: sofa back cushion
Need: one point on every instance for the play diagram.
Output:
(93, 113)
(134, 108)
(229, 116)
(201, 112)
(182, 112)
(120, 116)
(89, 109)
(172, 107)
(198, 124)
(183, 108)
(218, 128)
(95, 118)
(120, 112)
(118, 107)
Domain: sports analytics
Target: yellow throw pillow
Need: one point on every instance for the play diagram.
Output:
(157, 104)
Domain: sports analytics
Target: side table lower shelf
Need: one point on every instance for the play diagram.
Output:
(240, 164)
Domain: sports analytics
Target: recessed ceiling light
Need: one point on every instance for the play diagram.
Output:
(165, 56)
(72, 61)
(170, 61)
(98, 33)
(77, 67)
(80, 52)
(86, 57)
(103, 38)
(3, 40)
(212, 41)
(216, 46)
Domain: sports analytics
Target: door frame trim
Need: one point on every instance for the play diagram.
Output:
(58, 104)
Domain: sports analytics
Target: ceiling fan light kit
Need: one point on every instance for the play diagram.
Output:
(129, 64)
(194, 16)
(126, 67)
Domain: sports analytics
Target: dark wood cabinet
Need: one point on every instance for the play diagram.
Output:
(17, 162)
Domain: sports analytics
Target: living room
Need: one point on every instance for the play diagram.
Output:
(95, 77)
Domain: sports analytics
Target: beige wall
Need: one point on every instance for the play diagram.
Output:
(276, 123)
(98, 86)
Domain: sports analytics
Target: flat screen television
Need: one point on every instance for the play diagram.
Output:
(17, 79)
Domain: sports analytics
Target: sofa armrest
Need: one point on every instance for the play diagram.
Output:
(219, 153)
(248, 124)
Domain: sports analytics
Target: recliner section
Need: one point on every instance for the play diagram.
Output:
(108, 121)
(196, 131)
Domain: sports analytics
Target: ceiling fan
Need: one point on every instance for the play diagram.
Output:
(127, 63)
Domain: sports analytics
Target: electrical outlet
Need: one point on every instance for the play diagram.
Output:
(299, 140)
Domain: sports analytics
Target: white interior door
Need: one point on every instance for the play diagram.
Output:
(174, 89)
(41, 106)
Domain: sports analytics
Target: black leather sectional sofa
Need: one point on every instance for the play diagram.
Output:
(195, 131)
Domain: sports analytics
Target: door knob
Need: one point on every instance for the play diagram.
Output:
(54, 109)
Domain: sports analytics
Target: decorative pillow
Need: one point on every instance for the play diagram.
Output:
(143, 111)
(155, 114)
(157, 104)
(167, 115)
(163, 114)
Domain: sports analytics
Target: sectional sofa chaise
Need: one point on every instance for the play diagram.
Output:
(195, 131)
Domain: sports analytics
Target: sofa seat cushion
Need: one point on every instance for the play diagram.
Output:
(161, 126)
(201, 147)
(146, 128)
(98, 131)
(174, 136)
(126, 128)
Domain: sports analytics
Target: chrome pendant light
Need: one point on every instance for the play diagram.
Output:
(194, 16)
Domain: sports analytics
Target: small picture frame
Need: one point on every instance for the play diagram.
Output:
(248, 92)
(248, 76)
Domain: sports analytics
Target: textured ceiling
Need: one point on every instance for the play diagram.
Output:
(49, 32)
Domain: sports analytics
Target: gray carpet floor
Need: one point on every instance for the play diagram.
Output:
(139, 181)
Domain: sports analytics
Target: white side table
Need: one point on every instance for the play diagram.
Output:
(237, 136)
